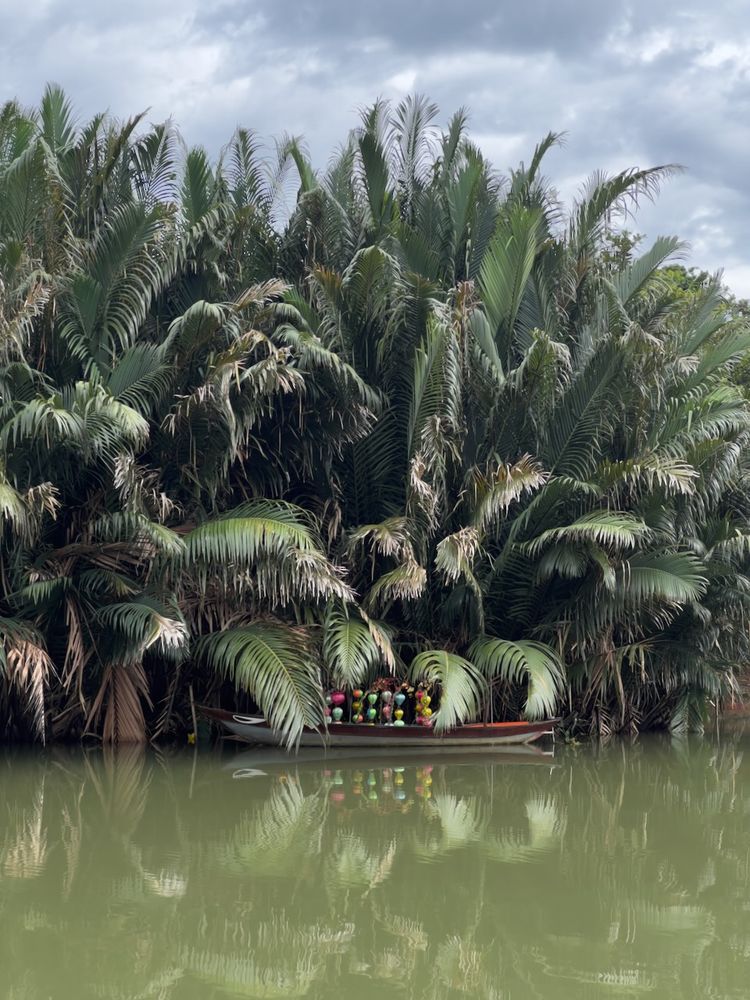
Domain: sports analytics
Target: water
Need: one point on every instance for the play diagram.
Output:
(618, 873)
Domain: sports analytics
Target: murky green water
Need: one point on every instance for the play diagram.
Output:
(619, 873)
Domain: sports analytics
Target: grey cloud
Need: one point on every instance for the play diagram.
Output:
(635, 83)
(423, 25)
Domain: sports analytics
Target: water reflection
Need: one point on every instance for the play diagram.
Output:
(613, 874)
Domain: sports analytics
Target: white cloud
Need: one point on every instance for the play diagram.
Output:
(654, 85)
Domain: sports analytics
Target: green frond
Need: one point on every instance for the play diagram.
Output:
(462, 688)
(154, 162)
(673, 577)
(527, 662)
(571, 562)
(635, 278)
(141, 379)
(352, 652)
(436, 383)
(506, 270)
(376, 180)
(274, 539)
(198, 193)
(580, 423)
(491, 495)
(140, 623)
(277, 665)
(610, 529)
(313, 355)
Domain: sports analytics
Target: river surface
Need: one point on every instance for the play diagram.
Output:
(618, 872)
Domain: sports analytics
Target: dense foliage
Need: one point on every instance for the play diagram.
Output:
(423, 423)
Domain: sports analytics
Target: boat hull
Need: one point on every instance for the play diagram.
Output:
(254, 729)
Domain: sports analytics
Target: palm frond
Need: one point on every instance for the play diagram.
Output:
(610, 529)
(527, 662)
(461, 686)
(353, 646)
(277, 665)
(274, 539)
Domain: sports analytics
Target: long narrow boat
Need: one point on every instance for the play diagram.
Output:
(255, 729)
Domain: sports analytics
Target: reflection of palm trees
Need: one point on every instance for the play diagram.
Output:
(286, 829)
(544, 833)
(303, 876)
(353, 866)
(459, 966)
(460, 821)
(24, 853)
(278, 959)
(240, 976)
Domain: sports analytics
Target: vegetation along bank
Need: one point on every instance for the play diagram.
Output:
(270, 429)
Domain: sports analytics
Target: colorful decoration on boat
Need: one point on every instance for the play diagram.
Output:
(386, 708)
(383, 704)
(422, 710)
(337, 699)
(357, 695)
(398, 714)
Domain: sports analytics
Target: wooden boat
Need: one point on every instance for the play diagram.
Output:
(255, 729)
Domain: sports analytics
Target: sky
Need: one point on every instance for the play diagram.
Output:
(639, 83)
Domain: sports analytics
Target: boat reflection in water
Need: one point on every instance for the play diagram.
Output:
(251, 763)
(619, 873)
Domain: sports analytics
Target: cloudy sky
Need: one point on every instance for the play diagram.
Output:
(635, 83)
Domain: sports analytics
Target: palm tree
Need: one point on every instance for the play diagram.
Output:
(422, 424)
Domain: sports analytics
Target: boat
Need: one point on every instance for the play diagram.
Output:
(256, 729)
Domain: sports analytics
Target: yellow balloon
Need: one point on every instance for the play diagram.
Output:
(426, 701)
(428, 712)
